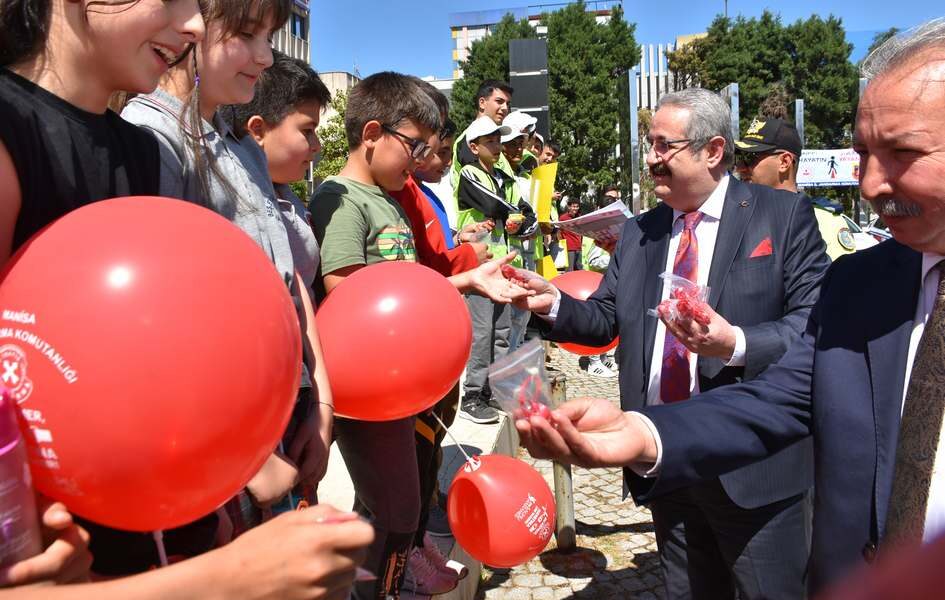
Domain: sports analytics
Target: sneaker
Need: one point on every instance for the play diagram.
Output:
(596, 367)
(609, 362)
(438, 524)
(423, 577)
(475, 409)
(436, 558)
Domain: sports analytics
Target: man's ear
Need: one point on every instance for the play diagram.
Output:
(786, 162)
(258, 128)
(371, 133)
(715, 151)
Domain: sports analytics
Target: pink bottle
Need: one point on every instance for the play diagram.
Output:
(20, 536)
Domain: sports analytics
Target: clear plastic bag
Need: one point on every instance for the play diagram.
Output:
(686, 300)
(519, 382)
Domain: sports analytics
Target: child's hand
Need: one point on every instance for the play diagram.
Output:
(66, 559)
(301, 554)
(482, 251)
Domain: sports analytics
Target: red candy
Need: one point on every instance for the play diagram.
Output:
(514, 275)
(687, 304)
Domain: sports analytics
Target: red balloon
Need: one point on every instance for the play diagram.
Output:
(580, 285)
(396, 337)
(501, 510)
(154, 352)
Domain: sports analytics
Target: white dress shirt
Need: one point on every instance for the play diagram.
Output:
(935, 511)
(706, 232)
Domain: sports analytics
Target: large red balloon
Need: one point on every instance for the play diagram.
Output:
(580, 285)
(396, 337)
(501, 510)
(154, 352)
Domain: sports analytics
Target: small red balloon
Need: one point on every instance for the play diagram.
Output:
(396, 337)
(501, 510)
(154, 352)
(580, 285)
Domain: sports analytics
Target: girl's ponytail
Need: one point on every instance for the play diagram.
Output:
(24, 27)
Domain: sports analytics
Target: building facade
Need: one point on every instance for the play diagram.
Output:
(293, 38)
(467, 28)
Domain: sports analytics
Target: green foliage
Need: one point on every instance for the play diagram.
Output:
(300, 188)
(880, 38)
(334, 141)
(488, 59)
(809, 59)
(586, 62)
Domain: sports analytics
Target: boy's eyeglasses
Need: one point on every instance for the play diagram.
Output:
(419, 149)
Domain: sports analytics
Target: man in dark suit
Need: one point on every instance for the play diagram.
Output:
(762, 256)
(866, 378)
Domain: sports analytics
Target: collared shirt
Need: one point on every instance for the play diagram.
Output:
(706, 232)
(935, 511)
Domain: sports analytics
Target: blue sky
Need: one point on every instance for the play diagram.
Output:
(413, 36)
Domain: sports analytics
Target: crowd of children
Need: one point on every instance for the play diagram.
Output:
(186, 99)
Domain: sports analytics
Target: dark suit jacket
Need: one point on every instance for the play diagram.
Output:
(769, 297)
(842, 382)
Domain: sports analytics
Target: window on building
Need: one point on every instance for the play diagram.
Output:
(299, 26)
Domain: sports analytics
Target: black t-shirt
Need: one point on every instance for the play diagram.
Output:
(66, 157)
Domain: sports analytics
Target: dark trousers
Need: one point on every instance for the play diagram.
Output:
(382, 463)
(712, 549)
(429, 438)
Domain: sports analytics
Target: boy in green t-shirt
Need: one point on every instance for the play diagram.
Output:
(392, 125)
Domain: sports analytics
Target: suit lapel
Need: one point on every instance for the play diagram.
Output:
(737, 210)
(657, 231)
(887, 352)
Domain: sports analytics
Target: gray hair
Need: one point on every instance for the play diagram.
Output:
(710, 116)
(900, 49)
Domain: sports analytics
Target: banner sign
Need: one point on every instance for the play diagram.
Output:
(828, 167)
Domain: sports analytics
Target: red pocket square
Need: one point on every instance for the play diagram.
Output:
(762, 249)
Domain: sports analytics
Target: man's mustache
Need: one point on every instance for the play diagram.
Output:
(660, 169)
(893, 207)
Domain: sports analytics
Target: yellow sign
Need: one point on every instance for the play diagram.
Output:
(543, 187)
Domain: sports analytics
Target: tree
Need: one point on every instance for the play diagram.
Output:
(488, 59)
(820, 71)
(586, 62)
(880, 38)
(687, 62)
(773, 63)
(334, 141)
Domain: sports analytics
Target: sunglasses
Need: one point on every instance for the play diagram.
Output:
(748, 160)
(419, 149)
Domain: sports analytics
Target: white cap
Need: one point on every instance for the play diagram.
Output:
(540, 139)
(484, 126)
(520, 123)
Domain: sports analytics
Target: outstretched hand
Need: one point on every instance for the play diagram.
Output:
(588, 432)
(487, 280)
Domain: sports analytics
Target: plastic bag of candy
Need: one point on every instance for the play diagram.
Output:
(519, 277)
(686, 300)
(520, 384)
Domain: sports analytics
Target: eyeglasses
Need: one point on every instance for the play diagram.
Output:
(661, 146)
(749, 160)
(419, 149)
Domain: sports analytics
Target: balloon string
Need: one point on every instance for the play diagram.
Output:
(159, 542)
(452, 437)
